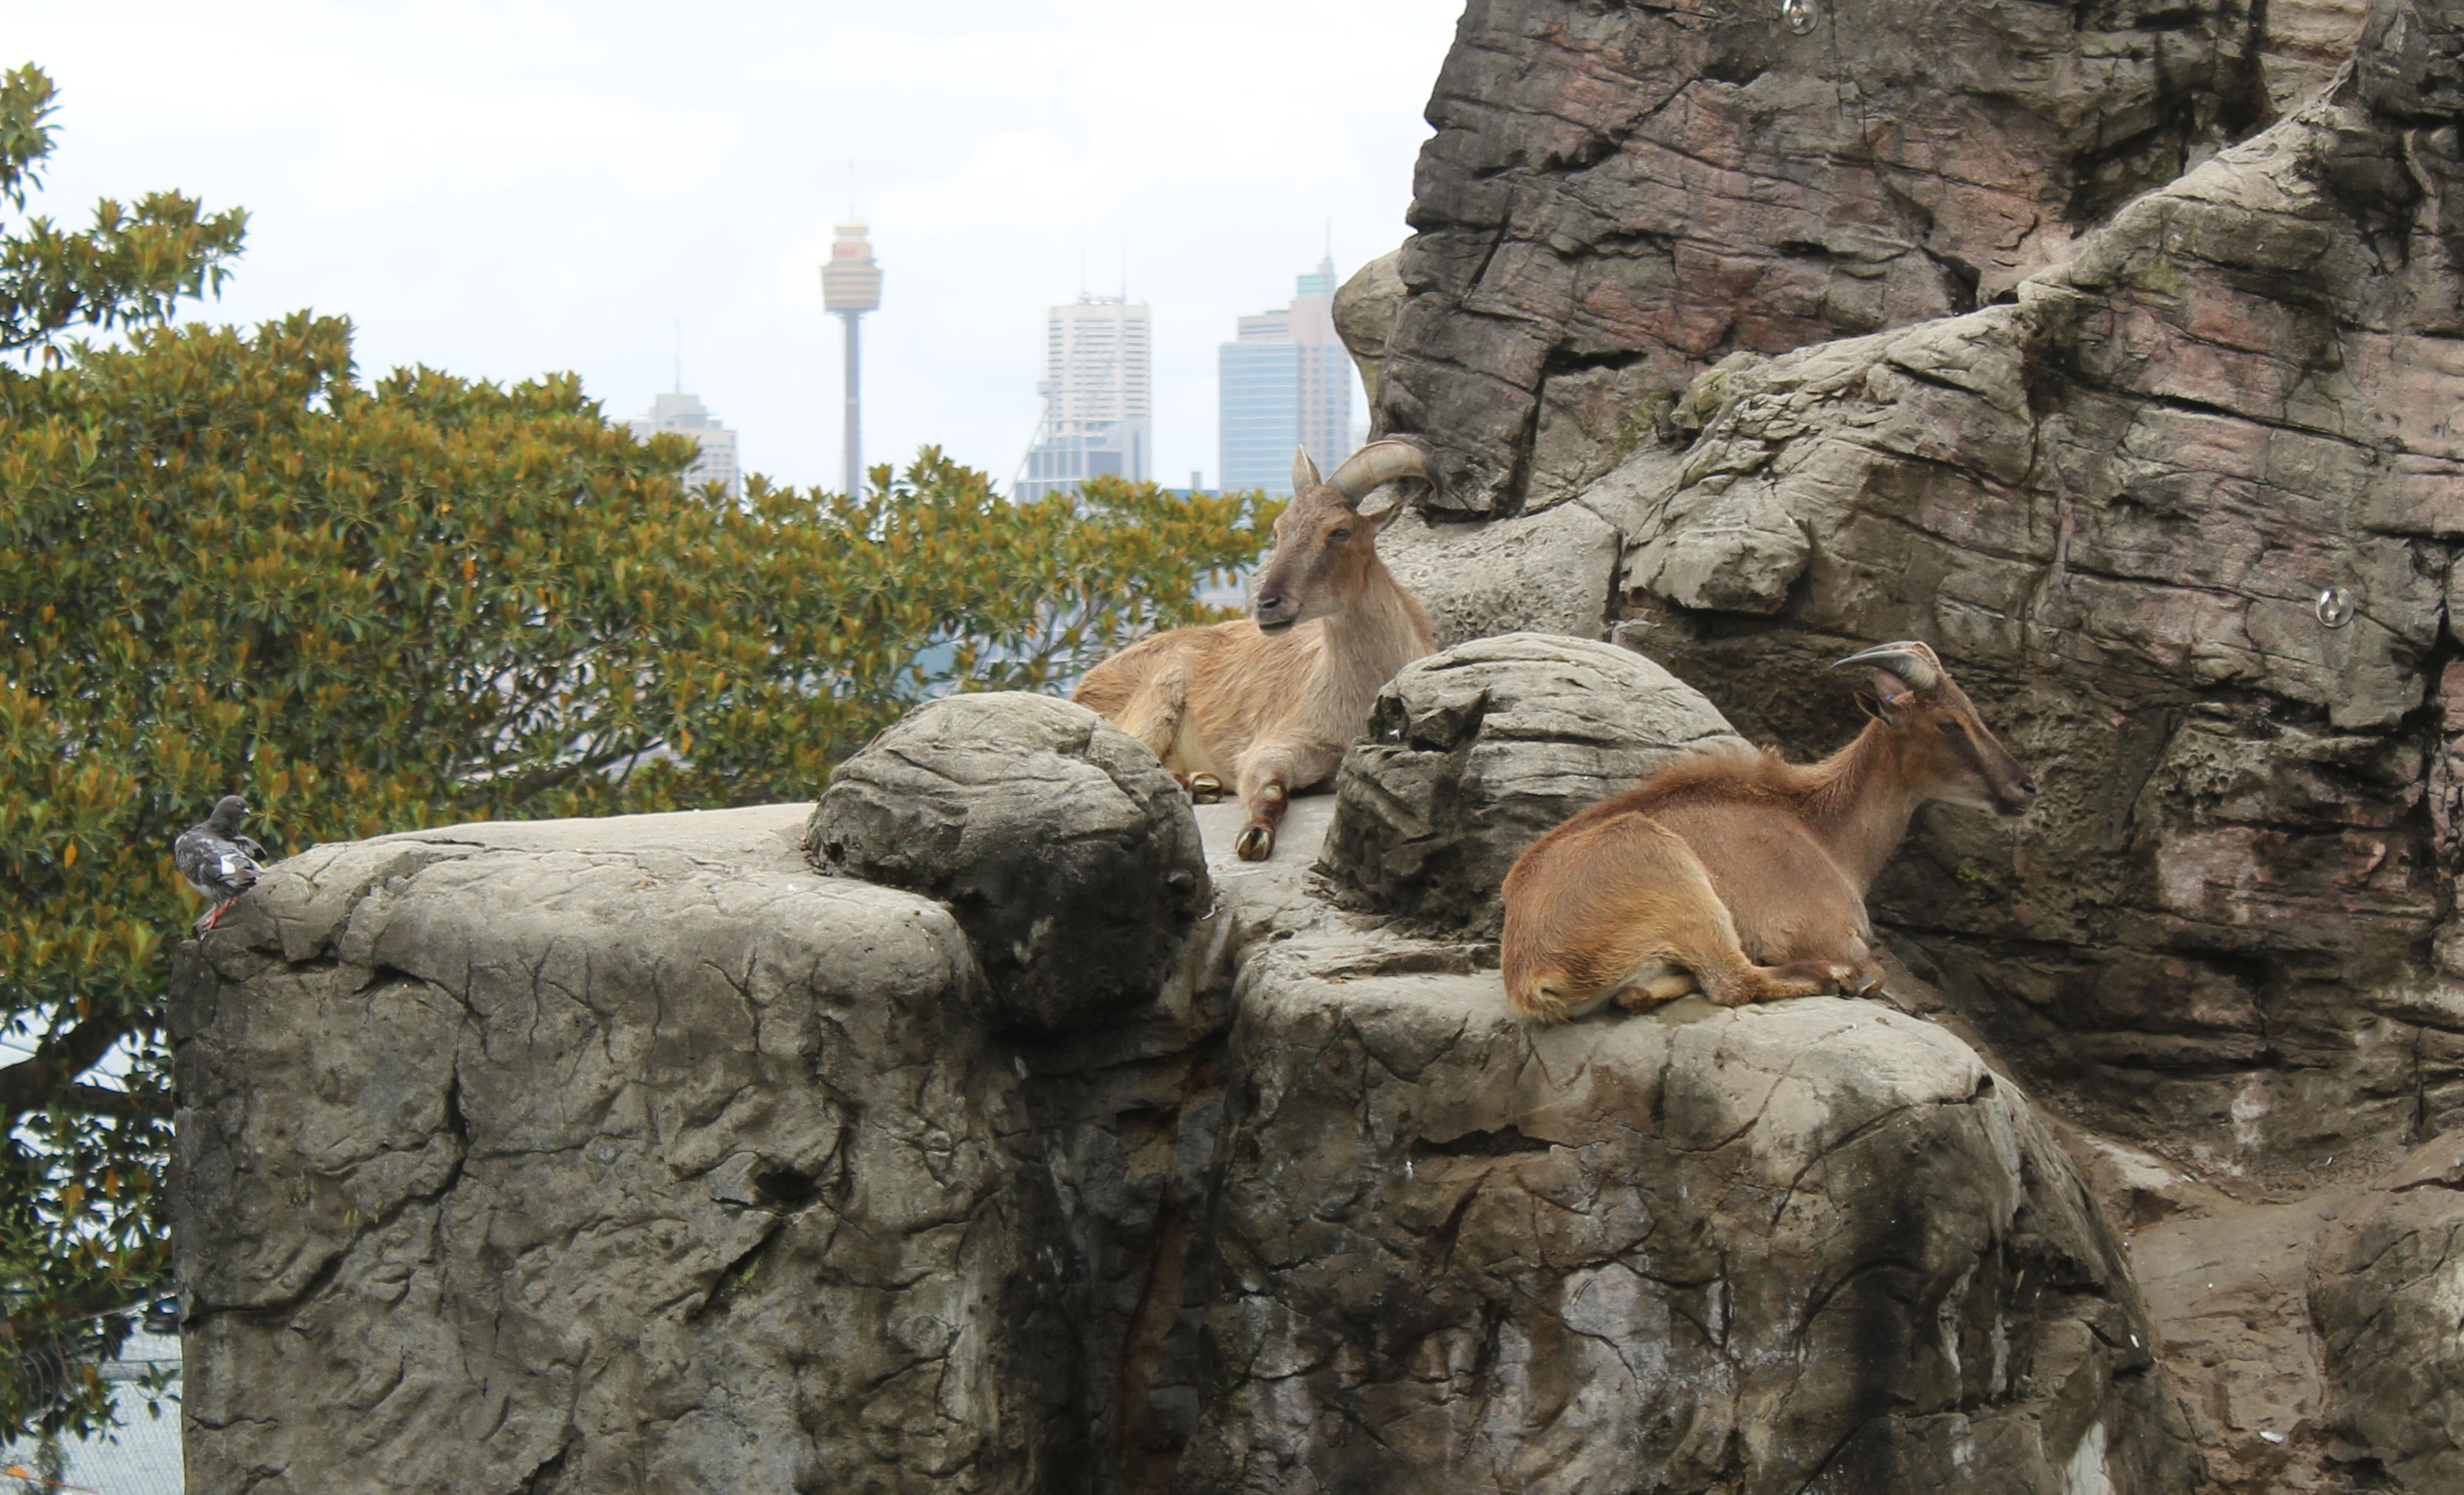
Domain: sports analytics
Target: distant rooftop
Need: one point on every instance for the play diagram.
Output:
(683, 414)
(680, 411)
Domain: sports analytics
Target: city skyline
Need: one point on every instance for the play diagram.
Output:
(1284, 382)
(997, 150)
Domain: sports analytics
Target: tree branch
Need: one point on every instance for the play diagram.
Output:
(538, 780)
(124, 1105)
(33, 1084)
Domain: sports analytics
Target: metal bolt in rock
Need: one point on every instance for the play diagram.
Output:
(2335, 607)
(1800, 15)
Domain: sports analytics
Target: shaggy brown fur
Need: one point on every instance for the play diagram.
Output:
(1739, 873)
(1267, 704)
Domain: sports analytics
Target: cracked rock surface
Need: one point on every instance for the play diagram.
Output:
(2113, 493)
(2384, 1291)
(1811, 1246)
(636, 1155)
(600, 1156)
(2113, 502)
(1618, 196)
(2113, 507)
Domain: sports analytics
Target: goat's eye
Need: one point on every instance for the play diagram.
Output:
(1339, 534)
(1952, 729)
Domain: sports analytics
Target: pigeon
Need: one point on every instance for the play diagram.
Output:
(217, 860)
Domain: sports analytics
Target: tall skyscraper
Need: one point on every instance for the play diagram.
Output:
(1098, 390)
(683, 413)
(1286, 382)
(851, 287)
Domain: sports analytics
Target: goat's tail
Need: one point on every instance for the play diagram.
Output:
(1553, 995)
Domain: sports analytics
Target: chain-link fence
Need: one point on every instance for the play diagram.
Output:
(141, 1457)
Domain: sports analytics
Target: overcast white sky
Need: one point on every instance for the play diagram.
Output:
(501, 189)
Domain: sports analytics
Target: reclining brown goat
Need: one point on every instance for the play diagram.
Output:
(1269, 702)
(1739, 874)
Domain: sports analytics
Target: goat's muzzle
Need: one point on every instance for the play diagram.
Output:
(1275, 614)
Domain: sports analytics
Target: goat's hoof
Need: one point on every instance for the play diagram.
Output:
(1203, 789)
(1866, 981)
(1256, 843)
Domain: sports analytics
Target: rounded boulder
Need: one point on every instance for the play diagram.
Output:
(1067, 852)
(1477, 751)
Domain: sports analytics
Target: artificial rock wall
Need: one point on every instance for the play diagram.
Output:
(2114, 501)
(2112, 491)
(650, 1153)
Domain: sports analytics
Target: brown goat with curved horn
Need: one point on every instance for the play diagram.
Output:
(1269, 702)
(1738, 873)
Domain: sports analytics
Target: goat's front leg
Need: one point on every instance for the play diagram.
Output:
(1269, 773)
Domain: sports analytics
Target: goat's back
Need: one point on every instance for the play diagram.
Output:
(1116, 680)
(1723, 772)
(1224, 685)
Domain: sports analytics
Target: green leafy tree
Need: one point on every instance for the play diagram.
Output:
(230, 565)
(131, 268)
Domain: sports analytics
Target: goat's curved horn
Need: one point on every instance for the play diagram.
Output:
(1911, 661)
(1379, 462)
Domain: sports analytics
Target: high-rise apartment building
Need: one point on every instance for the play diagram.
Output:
(1286, 382)
(1098, 390)
(683, 414)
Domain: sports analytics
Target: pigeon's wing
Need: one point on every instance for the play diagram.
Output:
(247, 843)
(193, 854)
(214, 866)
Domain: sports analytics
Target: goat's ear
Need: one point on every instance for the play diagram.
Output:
(1893, 692)
(1304, 471)
(1387, 515)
